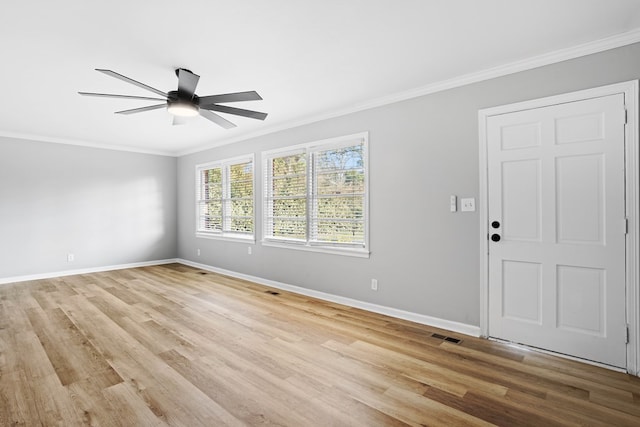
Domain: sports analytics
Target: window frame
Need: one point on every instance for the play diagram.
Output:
(307, 149)
(224, 165)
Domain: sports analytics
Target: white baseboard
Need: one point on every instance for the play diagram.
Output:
(461, 328)
(5, 280)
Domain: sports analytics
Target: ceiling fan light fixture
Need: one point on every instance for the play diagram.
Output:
(184, 103)
(183, 109)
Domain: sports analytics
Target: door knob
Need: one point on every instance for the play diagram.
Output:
(495, 237)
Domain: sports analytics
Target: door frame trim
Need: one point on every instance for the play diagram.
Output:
(630, 89)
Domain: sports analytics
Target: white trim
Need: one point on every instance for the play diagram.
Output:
(230, 161)
(50, 275)
(325, 249)
(305, 149)
(224, 166)
(435, 322)
(633, 215)
(69, 141)
(554, 57)
(589, 48)
(449, 325)
(483, 213)
(334, 142)
(630, 90)
(227, 237)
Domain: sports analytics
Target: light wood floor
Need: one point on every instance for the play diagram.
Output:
(170, 345)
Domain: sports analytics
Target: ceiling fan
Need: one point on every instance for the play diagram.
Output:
(184, 102)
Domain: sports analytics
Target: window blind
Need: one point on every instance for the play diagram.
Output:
(316, 194)
(225, 198)
(238, 200)
(338, 196)
(210, 200)
(286, 197)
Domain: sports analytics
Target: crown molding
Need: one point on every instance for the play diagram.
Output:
(550, 58)
(554, 57)
(607, 43)
(89, 144)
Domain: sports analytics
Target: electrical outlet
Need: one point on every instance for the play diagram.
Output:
(249, 250)
(374, 284)
(198, 251)
(71, 257)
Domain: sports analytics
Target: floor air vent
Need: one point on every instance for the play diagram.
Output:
(445, 338)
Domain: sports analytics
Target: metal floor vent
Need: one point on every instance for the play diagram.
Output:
(445, 338)
(272, 292)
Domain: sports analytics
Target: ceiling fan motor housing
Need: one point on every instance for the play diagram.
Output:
(182, 106)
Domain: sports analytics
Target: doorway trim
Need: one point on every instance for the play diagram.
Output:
(630, 90)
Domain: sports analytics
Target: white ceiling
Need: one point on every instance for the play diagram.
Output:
(307, 59)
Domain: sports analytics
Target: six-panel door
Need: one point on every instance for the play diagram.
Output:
(556, 188)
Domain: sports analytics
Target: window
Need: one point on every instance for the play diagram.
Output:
(315, 196)
(224, 199)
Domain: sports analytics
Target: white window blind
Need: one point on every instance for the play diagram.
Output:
(315, 195)
(286, 197)
(225, 198)
(210, 200)
(338, 196)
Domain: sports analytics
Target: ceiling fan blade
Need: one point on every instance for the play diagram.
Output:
(216, 119)
(142, 109)
(133, 82)
(177, 120)
(230, 97)
(187, 82)
(237, 111)
(110, 95)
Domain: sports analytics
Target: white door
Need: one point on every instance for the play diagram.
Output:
(556, 202)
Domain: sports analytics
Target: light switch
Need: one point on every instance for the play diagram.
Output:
(468, 205)
(453, 203)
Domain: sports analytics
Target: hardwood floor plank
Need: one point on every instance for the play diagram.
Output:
(580, 370)
(234, 389)
(71, 354)
(427, 373)
(88, 397)
(138, 412)
(424, 410)
(171, 346)
(489, 370)
(39, 394)
(497, 415)
(349, 411)
(148, 374)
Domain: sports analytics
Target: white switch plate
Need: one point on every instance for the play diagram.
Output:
(468, 205)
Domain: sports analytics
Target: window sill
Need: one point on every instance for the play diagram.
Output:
(353, 252)
(227, 237)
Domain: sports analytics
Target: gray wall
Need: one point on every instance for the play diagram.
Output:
(421, 151)
(106, 207)
(109, 207)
